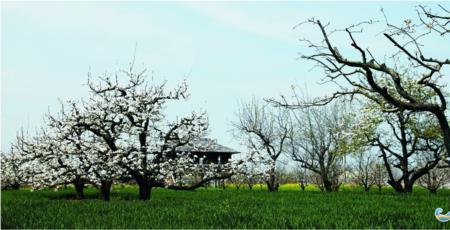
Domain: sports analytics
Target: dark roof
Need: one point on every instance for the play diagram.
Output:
(212, 147)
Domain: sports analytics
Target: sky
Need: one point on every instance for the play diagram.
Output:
(229, 52)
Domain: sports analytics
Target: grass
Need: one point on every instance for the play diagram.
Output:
(229, 208)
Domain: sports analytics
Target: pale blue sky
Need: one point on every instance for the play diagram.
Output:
(230, 52)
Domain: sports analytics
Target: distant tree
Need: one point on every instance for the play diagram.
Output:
(253, 170)
(318, 181)
(303, 177)
(379, 175)
(319, 142)
(264, 130)
(435, 178)
(363, 170)
(12, 175)
(237, 181)
(286, 176)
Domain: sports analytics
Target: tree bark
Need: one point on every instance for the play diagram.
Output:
(409, 187)
(272, 186)
(443, 122)
(145, 190)
(397, 186)
(79, 188)
(105, 189)
(327, 185)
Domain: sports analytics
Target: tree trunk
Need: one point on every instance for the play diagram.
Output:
(327, 185)
(379, 188)
(15, 186)
(335, 186)
(302, 186)
(397, 186)
(432, 190)
(145, 190)
(272, 186)
(105, 189)
(445, 128)
(409, 187)
(79, 188)
(223, 184)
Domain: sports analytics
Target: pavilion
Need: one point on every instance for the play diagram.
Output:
(212, 153)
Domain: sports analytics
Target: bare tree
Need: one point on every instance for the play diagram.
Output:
(318, 142)
(303, 177)
(264, 130)
(252, 171)
(364, 170)
(379, 175)
(366, 75)
(400, 148)
(435, 178)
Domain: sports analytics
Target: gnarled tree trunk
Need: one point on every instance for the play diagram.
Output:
(327, 185)
(398, 187)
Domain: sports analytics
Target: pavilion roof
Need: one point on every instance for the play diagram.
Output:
(212, 147)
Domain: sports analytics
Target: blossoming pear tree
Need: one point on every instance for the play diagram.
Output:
(128, 116)
(12, 175)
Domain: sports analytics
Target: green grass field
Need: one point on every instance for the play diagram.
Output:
(229, 208)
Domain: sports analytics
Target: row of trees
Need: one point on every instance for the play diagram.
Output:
(332, 144)
(119, 133)
(401, 106)
(387, 122)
